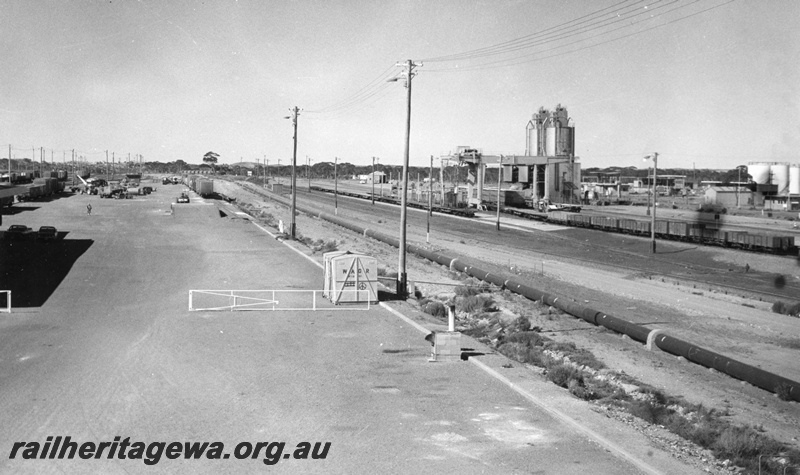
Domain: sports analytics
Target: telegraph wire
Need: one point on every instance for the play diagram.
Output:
(561, 35)
(625, 12)
(359, 96)
(519, 60)
(497, 47)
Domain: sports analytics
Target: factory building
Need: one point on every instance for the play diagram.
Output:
(549, 169)
(775, 185)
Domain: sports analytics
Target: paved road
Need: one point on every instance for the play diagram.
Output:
(111, 350)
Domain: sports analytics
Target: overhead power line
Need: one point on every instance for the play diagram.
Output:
(364, 94)
(521, 53)
(568, 37)
(501, 47)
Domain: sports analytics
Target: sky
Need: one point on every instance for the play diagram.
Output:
(705, 83)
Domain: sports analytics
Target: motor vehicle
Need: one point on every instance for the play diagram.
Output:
(363, 181)
(47, 233)
(184, 198)
(18, 231)
(147, 190)
(166, 181)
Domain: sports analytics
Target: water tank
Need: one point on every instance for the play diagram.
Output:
(759, 171)
(780, 177)
(794, 179)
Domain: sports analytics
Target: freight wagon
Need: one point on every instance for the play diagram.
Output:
(204, 187)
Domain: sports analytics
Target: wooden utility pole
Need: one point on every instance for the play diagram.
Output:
(430, 202)
(335, 187)
(295, 114)
(402, 277)
(499, 173)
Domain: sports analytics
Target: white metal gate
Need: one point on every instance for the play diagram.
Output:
(273, 300)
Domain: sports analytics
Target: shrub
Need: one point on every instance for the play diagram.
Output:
(560, 374)
(739, 442)
(475, 304)
(656, 395)
(779, 307)
(783, 391)
(520, 324)
(524, 353)
(435, 308)
(646, 411)
(466, 290)
(329, 246)
(527, 338)
(586, 358)
(565, 347)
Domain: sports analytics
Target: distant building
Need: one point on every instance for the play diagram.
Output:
(377, 177)
(728, 196)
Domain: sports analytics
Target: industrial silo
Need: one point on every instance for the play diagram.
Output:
(780, 177)
(760, 172)
(532, 142)
(550, 134)
(794, 179)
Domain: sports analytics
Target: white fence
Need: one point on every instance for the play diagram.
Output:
(261, 300)
(7, 308)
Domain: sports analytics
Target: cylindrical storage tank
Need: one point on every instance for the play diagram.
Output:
(550, 140)
(533, 139)
(780, 177)
(794, 179)
(564, 145)
(759, 171)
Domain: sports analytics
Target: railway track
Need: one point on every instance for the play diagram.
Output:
(610, 255)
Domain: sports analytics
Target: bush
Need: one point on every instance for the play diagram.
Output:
(466, 290)
(475, 304)
(527, 338)
(435, 308)
(520, 324)
(784, 308)
(784, 391)
(524, 353)
(565, 347)
(561, 374)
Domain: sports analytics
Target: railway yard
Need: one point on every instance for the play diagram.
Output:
(720, 297)
(716, 296)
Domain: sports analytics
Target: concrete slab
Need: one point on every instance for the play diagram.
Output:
(114, 352)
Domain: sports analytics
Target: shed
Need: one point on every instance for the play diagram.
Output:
(728, 196)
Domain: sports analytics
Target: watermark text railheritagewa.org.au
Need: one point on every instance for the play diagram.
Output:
(152, 453)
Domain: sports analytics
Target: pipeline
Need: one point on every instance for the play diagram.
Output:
(691, 352)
